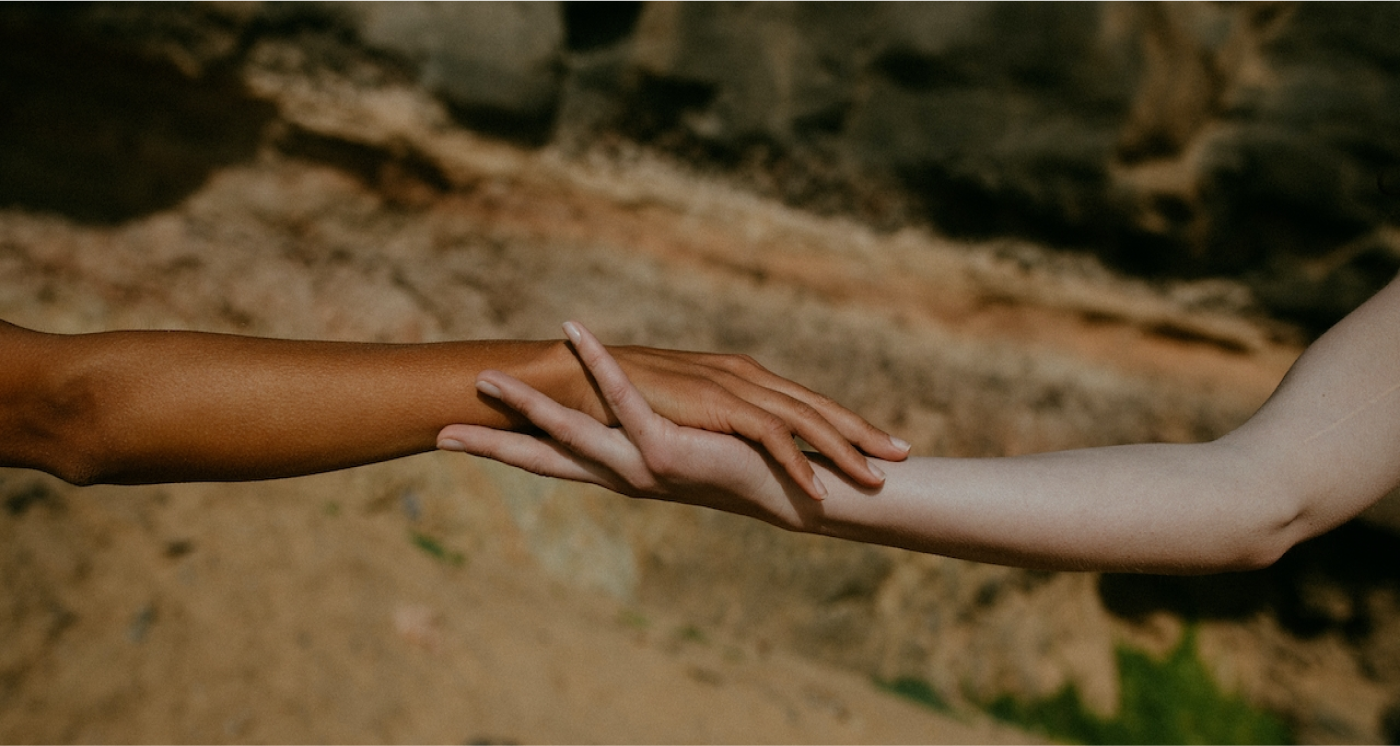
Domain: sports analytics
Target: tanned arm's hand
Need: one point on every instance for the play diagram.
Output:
(134, 407)
(647, 456)
(734, 394)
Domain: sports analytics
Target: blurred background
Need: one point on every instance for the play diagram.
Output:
(990, 228)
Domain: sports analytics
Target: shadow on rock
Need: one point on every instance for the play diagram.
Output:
(103, 134)
(1323, 585)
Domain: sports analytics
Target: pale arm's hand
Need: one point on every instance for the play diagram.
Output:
(1325, 447)
(647, 456)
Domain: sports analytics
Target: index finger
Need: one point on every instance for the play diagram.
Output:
(757, 380)
(627, 404)
(637, 417)
(855, 429)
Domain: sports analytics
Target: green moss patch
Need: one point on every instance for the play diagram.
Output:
(1174, 700)
(436, 549)
(915, 689)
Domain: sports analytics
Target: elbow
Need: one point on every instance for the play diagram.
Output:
(1265, 536)
(69, 439)
(1237, 552)
(77, 469)
(1262, 515)
(55, 406)
(1257, 554)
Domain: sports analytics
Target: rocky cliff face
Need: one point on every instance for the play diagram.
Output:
(1256, 141)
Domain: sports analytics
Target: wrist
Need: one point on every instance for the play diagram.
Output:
(551, 368)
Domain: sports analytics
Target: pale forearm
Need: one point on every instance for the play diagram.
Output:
(1322, 449)
(1149, 508)
(1232, 504)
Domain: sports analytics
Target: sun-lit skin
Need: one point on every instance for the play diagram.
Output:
(1323, 448)
(145, 406)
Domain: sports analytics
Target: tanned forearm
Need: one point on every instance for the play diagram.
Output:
(133, 407)
(137, 407)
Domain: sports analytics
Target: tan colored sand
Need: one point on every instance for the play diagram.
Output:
(303, 611)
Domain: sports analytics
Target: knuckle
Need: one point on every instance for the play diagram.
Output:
(642, 478)
(541, 417)
(526, 407)
(799, 419)
(740, 363)
(614, 390)
(807, 414)
(529, 462)
(773, 427)
(711, 390)
(661, 463)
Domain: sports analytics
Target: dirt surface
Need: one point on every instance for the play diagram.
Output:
(304, 611)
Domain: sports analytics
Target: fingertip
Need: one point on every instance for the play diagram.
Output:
(800, 471)
(892, 449)
(875, 471)
(571, 330)
(459, 438)
(488, 388)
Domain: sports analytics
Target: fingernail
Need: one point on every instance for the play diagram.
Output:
(899, 443)
(447, 444)
(875, 470)
(488, 388)
(572, 331)
(821, 488)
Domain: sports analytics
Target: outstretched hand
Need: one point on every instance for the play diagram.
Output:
(734, 394)
(728, 394)
(647, 456)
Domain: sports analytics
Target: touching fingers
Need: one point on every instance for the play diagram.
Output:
(745, 378)
(852, 427)
(738, 417)
(517, 449)
(626, 403)
(808, 423)
(718, 399)
(574, 430)
(776, 438)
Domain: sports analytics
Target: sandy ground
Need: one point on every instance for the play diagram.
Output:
(274, 613)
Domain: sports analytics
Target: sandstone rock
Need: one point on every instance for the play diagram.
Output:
(1191, 140)
(1254, 141)
(495, 63)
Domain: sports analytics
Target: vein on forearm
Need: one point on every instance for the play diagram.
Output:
(1371, 403)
